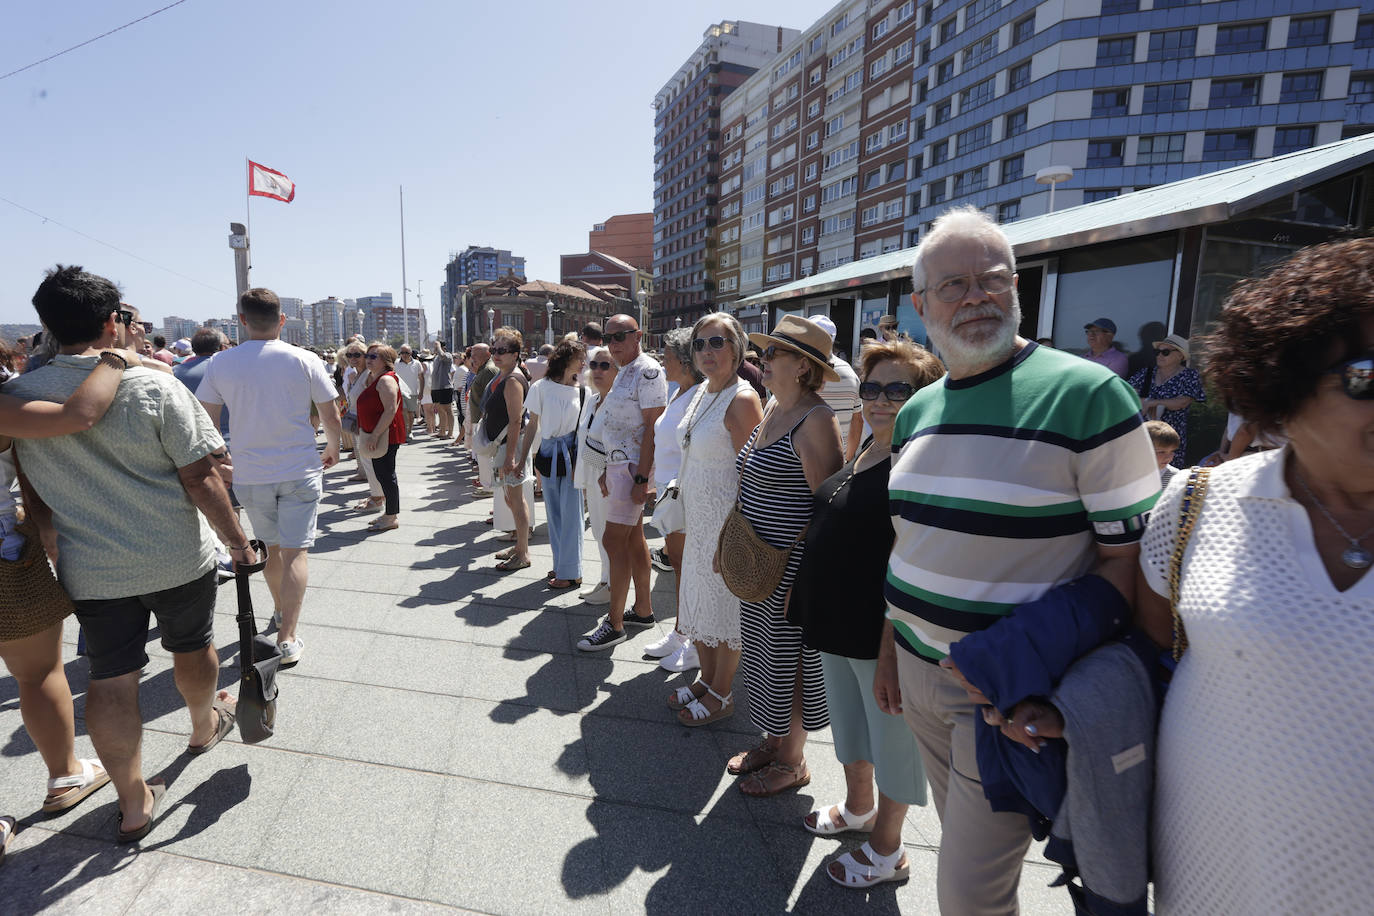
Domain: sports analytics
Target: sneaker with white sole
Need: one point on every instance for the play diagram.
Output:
(664, 647)
(276, 619)
(634, 620)
(684, 659)
(659, 557)
(291, 651)
(603, 637)
(601, 594)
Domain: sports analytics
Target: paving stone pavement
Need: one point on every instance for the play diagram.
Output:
(443, 747)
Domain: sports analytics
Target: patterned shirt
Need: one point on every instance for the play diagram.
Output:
(1002, 485)
(125, 525)
(639, 386)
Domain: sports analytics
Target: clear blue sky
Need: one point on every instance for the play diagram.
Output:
(516, 124)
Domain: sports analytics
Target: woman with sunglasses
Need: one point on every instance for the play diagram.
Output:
(715, 426)
(842, 616)
(503, 409)
(591, 463)
(356, 379)
(1168, 388)
(380, 420)
(1261, 725)
(793, 451)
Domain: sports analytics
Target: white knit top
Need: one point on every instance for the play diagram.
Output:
(1265, 793)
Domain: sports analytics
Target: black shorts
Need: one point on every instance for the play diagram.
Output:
(441, 395)
(116, 629)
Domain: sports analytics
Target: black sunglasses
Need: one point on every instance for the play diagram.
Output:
(715, 342)
(1165, 351)
(619, 336)
(124, 316)
(895, 391)
(1357, 377)
(599, 365)
(771, 352)
(353, 355)
(502, 351)
(373, 356)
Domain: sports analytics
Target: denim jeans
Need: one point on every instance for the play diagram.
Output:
(563, 505)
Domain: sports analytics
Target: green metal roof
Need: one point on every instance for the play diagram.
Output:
(1210, 198)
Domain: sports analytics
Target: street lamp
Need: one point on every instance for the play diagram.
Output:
(548, 331)
(452, 331)
(491, 324)
(1053, 175)
(643, 296)
(361, 317)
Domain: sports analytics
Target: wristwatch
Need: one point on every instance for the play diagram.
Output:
(640, 478)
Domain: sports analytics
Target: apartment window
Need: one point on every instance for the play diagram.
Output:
(1163, 97)
(924, 56)
(1160, 149)
(854, 80)
(844, 188)
(808, 235)
(1114, 51)
(977, 94)
(1023, 30)
(753, 195)
(1104, 153)
(1234, 93)
(808, 203)
(817, 43)
(839, 25)
(1013, 167)
(816, 76)
(1364, 33)
(834, 125)
(1009, 211)
(939, 152)
(1018, 77)
(1111, 102)
(873, 179)
(870, 215)
(979, 10)
(1361, 87)
(935, 192)
(948, 28)
(970, 181)
(906, 10)
(903, 51)
(975, 138)
(1248, 36)
(810, 173)
(980, 51)
(808, 267)
(1015, 123)
(943, 112)
(1221, 145)
(877, 68)
(897, 171)
(1171, 4)
(944, 72)
(874, 142)
(1301, 87)
(1116, 7)
(1095, 194)
(814, 108)
(813, 139)
(896, 131)
(1308, 32)
(1292, 139)
(880, 29)
(835, 224)
(1174, 45)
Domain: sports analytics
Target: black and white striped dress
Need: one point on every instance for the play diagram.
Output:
(776, 499)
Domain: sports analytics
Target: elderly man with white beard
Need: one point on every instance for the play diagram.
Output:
(1025, 472)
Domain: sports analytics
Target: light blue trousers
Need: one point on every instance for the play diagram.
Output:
(563, 506)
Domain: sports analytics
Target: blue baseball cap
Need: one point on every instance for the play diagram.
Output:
(1105, 324)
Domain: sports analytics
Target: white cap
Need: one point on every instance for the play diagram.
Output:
(825, 324)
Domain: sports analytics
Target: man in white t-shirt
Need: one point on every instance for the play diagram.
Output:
(411, 372)
(636, 399)
(843, 396)
(268, 386)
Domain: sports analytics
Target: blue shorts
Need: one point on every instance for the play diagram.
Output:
(283, 513)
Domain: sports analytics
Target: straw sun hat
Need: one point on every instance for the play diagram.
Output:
(805, 337)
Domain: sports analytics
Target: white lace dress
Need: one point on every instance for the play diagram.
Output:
(708, 613)
(1266, 755)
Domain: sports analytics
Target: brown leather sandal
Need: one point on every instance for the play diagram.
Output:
(756, 758)
(775, 778)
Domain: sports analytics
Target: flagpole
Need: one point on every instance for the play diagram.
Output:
(405, 310)
(248, 208)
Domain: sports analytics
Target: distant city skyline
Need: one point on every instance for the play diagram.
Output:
(139, 140)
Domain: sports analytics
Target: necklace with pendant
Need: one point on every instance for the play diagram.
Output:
(1356, 556)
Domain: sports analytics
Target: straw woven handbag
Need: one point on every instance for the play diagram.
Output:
(31, 599)
(750, 566)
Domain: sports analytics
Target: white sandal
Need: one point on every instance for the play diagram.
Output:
(700, 715)
(684, 696)
(7, 830)
(858, 823)
(884, 868)
(82, 785)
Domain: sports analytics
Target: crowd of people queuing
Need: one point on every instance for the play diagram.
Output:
(990, 572)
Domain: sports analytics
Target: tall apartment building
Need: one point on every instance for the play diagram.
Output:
(474, 263)
(883, 114)
(174, 328)
(628, 236)
(388, 322)
(687, 112)
(291, 307)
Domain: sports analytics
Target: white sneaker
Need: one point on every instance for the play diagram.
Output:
(291, 651)
(664, 647)
(599, 595)
(684, 659)
(276, 619)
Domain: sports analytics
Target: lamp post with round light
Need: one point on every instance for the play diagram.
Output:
(643, 296)
(362, 316)
(548, 331)
(491, 324)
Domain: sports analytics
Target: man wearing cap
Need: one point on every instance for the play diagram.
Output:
(637, 397)
(1100, 334)
(842, 396)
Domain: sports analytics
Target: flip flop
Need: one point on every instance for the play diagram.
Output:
(81, 785)
(505, 554)
(755, 785)
(561, 584)
(159, 790)
(223, 727)
(511, 565)
(373, 526)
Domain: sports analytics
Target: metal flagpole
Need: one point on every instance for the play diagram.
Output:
(405, 310)
(248, 207)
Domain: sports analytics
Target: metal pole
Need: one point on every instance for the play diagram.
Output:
(405, 313)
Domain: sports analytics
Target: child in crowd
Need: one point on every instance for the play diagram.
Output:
(1166, 442)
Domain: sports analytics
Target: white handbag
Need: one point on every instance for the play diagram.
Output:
(670, 515)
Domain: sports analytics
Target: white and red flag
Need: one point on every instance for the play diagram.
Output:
(265, 182)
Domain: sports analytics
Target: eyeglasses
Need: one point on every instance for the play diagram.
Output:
(353, 355)
(994, 283)
(373, 356)
(1165, 351)
(715, 342)
(502, 351)
(619, 336)
(895, 391)
(1357, 377)
(773, 351)
(124, 316)
(600, 365)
